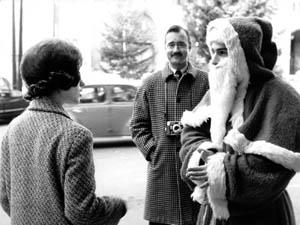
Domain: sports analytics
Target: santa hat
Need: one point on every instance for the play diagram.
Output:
(249, 41)
(255, 36)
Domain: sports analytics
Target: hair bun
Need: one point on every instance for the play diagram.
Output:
(37, 90)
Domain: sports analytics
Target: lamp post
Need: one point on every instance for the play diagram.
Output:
(16, 76)
(14, 69)
(19, 80)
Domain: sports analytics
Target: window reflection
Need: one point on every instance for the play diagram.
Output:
(92, 94)
(123, 94)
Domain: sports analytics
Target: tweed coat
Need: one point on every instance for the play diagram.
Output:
(163, 98)
(47, 171)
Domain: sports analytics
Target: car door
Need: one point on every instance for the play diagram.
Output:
(12, 102)
(15, 103)
(120, 110)
(5, 93)
(2, 102)
(92, 112)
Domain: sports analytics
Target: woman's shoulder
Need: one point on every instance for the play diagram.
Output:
(73, 134)
(77, 128)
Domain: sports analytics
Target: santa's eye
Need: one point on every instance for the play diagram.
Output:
(222, 52)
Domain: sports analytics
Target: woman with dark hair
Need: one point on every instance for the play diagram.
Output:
(47, 168)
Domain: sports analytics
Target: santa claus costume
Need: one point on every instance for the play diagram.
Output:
(250, 122)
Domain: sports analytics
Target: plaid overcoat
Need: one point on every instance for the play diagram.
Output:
(163, 98)
(47, 171)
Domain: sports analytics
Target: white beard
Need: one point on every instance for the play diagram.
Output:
(228, 87)
(223, 83)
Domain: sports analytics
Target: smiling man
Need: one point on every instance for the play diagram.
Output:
(246, 127)
(177, 47)
(156, 129)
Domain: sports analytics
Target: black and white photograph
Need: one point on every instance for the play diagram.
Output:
(149, 112)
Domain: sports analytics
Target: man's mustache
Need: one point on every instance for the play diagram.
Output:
(177, 54)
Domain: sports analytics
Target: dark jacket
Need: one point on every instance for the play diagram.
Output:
(247, 181)
(162, 98)
(47, 171)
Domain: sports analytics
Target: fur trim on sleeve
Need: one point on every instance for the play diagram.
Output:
(236, 140)
(275, 153)
(198, 193)
(217, 186)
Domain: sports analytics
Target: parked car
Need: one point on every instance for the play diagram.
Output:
(106, 110)
(12, 102)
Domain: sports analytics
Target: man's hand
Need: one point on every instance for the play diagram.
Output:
(198, 175)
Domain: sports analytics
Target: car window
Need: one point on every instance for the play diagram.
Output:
(4, 85)
(123, 93)
(92, 94)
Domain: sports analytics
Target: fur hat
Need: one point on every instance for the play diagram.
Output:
(255, 35)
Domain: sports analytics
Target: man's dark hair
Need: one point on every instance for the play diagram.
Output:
(177, 29)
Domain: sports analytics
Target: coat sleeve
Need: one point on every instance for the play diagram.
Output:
(140, 125)
(5, 177)
(238, 183)
(81, 204)
(242, 183)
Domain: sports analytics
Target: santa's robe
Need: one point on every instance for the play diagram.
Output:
(248, 179)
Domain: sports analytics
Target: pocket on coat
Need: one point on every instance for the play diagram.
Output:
(153, 155)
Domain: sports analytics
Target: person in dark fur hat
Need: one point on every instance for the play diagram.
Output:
(47, 168)
(241, 144)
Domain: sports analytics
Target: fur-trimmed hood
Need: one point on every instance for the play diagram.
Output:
(255, 36)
